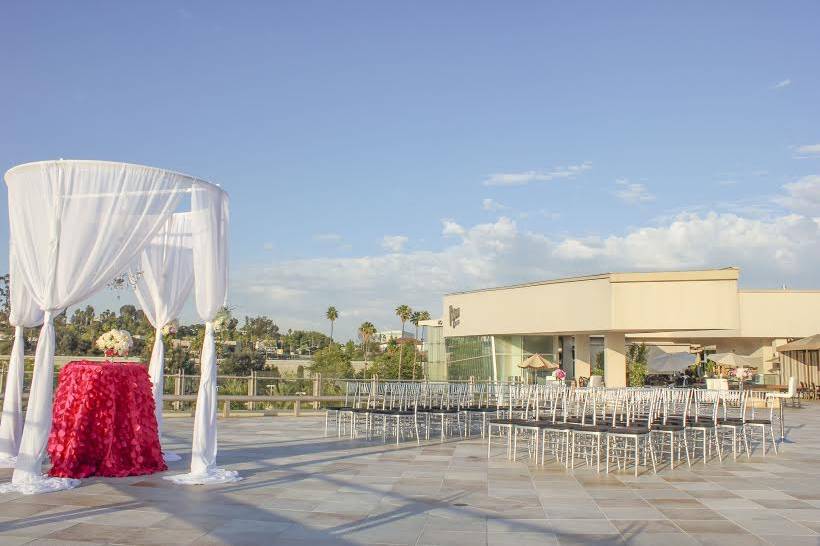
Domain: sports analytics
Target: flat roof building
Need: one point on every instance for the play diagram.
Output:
(585, 323)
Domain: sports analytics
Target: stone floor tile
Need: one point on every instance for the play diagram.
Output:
(635, 527)
(728, 539)
(792, 540)
(431, 537)
(93, 532)
(710, 527)
(519, 539)
(301, 488)
(664, 539)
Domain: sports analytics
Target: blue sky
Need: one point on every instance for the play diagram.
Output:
(383, 153)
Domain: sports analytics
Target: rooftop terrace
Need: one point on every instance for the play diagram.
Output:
(303, 488)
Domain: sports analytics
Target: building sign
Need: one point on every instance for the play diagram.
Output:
(455, 314)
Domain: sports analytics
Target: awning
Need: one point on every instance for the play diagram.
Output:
(811, 343)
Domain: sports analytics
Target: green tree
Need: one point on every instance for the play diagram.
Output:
(366, 331)
(386, 364)
(332, 361)
(636, 365)
(404, 312)
(598, 369)
(332, 314)
(5, 297)
(300, 341)
(259, 328)
(242, 362)
(415, 319)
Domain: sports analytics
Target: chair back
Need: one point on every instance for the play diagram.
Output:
(792, 387)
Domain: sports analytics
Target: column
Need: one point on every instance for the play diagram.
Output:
(582, 365)
(615, 359)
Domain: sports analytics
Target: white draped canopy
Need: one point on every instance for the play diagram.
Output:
(74, 226)
(165, 276)
(24, 314)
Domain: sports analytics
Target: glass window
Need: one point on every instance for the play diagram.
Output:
(469, 356)
(433, 337)
(509, 353)
(596, 355)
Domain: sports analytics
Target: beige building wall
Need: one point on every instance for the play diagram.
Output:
(682, 303)
(613, 302)
(578, 305)
(779, 313)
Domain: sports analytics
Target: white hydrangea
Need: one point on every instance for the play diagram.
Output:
(115, 343)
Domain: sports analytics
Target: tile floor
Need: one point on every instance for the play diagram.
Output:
(304, 489)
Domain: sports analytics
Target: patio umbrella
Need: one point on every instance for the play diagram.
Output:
(538, 362)
(665, 363)
(732, 360)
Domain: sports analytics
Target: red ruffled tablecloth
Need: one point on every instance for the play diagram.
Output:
(103, 422)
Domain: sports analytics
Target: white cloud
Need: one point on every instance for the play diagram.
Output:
(809, 149)
(450, 227)
(394, 243)
(782, 83)
(803, 195)
(525, 177)
(327, 237)
(492, 205)
(632, 192)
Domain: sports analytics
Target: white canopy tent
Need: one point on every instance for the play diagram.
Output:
(74, 225)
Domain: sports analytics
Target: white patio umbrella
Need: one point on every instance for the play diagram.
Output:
(732, 360)
(538, 362)
(665, 363)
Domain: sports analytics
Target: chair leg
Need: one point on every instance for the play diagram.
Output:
(686, 448)
(489, 440)
(515, 445)
(442, 427)
(598, 452)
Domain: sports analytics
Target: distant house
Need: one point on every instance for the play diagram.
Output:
(383, 337)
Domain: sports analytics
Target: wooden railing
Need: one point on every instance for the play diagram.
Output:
(225, 401)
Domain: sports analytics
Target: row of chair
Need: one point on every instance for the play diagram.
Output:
(623, 426)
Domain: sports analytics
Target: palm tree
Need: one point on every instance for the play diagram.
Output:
(331, 315)
(404, 313)
(366, 331)
(415, 319)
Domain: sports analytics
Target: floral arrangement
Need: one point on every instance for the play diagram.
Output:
(221, 319)
(744, 374)
(115, 343)
(559, 374)
(170, 328)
